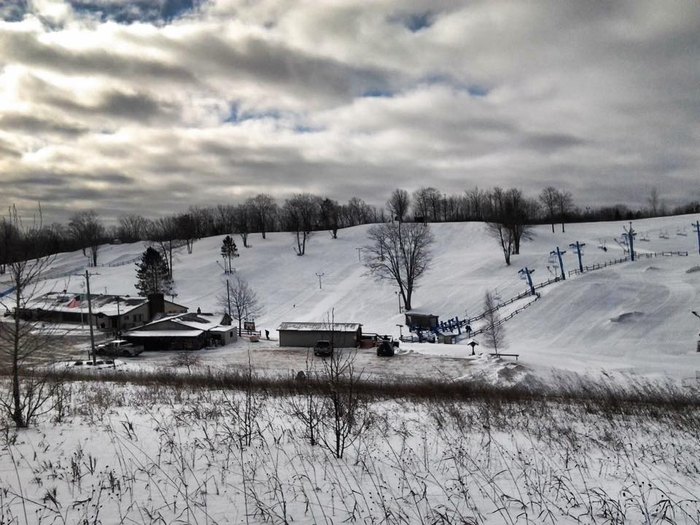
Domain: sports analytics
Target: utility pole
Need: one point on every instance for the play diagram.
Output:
(631, 234)
(92, 333)
(526, 274)
(696, 227)
(559, 253)
(320, 277)
(577, 246)
(119, 320)
(228, 297)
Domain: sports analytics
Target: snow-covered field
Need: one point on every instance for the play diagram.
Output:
(162, 453)
(116, 454)
(632, 318)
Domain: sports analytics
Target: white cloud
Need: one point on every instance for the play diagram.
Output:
(237, 97)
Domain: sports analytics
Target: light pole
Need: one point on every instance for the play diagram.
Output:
(400, 331)
(398, 295)
(119, 319)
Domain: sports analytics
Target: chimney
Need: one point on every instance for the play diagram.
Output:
(156, 305)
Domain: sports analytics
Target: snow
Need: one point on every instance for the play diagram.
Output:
(313, 327)
(111, 453)
(166, 333)
(632, 317)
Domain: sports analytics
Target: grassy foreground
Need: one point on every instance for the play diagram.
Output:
(230, 447)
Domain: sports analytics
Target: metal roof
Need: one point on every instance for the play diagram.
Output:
(320, 327)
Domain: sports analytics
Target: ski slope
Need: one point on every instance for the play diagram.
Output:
(632, 317)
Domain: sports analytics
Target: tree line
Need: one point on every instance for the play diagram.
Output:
(304, 213)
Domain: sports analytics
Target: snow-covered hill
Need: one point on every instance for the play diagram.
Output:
(630, 316)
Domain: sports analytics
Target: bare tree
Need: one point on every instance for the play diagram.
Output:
(501, 220)
(549, 198)
(494, 332)
(565, 205)
(428, 203)
(653, 201)
(187, 229)
(241, 301)
(243, 220)
(225, 218)
(300, 215)
(398, 205)
(399, 252)
(88, 231)
(504, 236)
(264, 210)
(8, 238)
(132, 228)
(23, 338)
(359, 212)
(345, 416)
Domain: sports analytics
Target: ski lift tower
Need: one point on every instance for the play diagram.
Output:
(526, 275)
(630, 235)
(555, 256)
(578, 246)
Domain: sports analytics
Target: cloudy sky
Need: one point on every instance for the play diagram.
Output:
(150, 106)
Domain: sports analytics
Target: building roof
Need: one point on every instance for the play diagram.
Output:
(188, 322)
(77, 303)
(109, 305)
(320, 327)
(165, 333)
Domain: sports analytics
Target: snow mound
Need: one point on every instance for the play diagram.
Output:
(653, 269)
(693, 269)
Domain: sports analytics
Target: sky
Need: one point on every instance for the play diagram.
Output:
(150, 106)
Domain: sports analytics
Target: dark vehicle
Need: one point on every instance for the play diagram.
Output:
(386, 348)
(118, 348)
(323, 348)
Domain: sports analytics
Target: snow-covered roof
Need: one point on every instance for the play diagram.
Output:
(320, 327)
(222, 328)
(75, 302)
(165, 333)
(201, 322)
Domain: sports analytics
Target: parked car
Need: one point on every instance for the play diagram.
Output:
(323, 348)
(118, 348)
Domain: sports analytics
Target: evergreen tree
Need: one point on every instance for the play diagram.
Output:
(229, 250)
(152, 274)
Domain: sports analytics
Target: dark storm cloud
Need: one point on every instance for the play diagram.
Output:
(137, 107)
(7, 150)
(36, 124)
(25, 48)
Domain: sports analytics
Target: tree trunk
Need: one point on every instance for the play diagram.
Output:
(17, 416)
